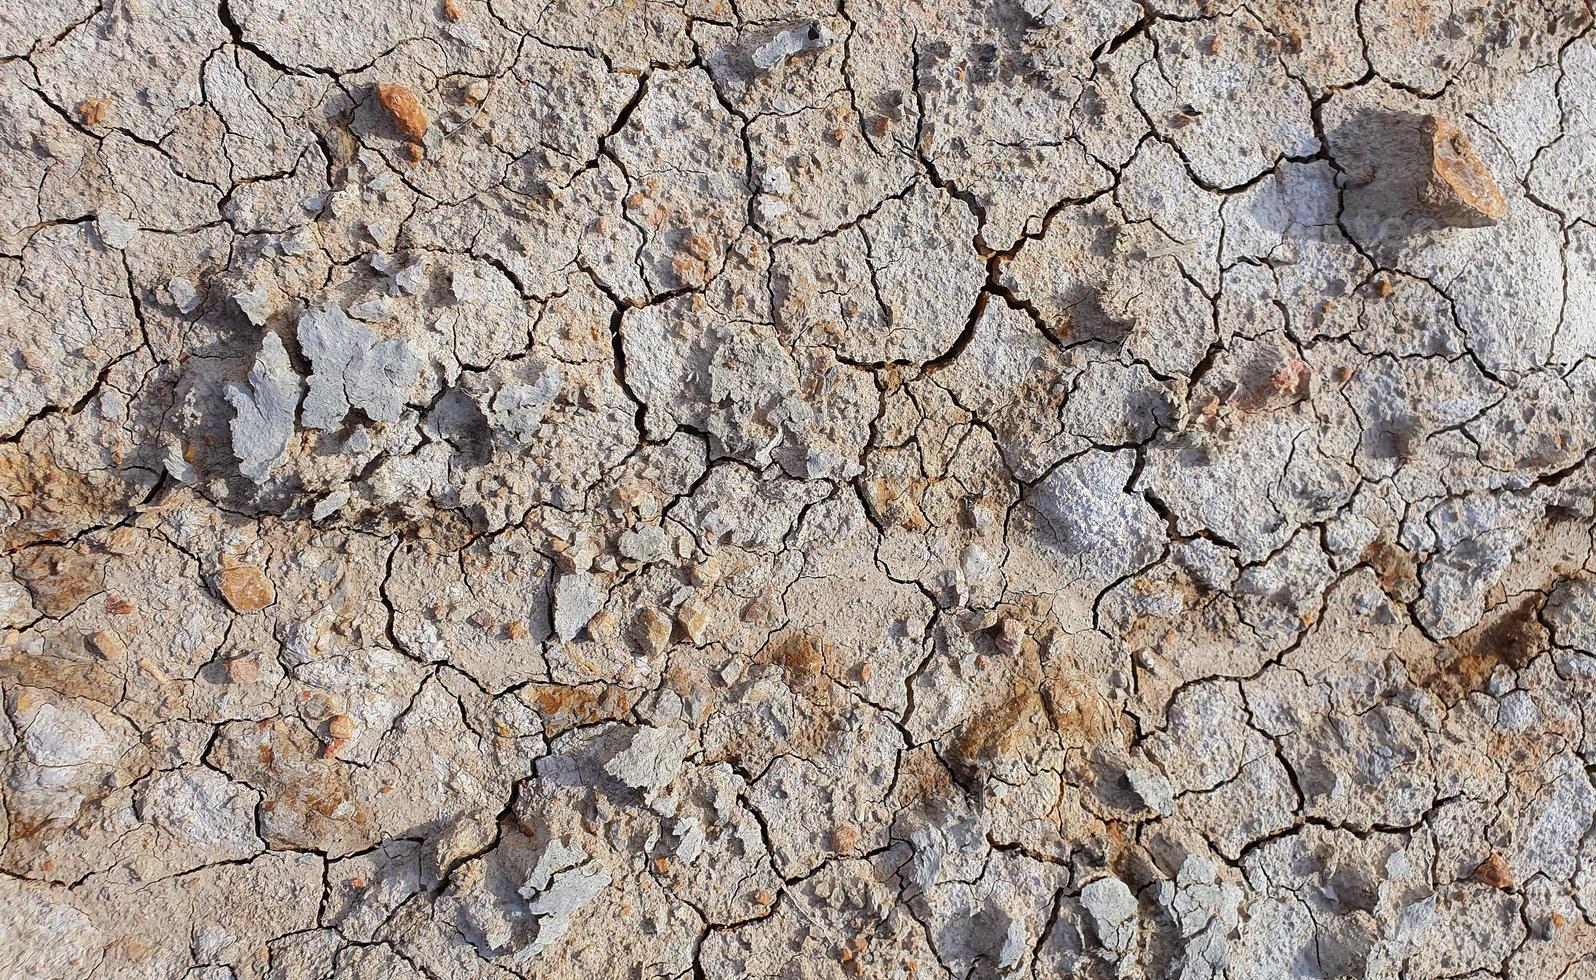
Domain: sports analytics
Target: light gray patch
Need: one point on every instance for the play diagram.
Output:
(264, 410)
(353, 369)
(813, 36)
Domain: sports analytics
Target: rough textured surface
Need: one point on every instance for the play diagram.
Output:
(1036, 488)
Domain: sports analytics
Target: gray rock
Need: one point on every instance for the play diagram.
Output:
(264, 408)
(813, 36)
(576, 598)
(651, 760)
(353, 369)
(646, 543)
(1112, 906)
(254, 303)
(1152, 788)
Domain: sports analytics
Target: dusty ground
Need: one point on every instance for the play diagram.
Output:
(611, 488)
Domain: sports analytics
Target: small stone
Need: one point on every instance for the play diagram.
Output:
(412, 277)
(341, 727)
(1011, 636)
(1501, 681)
(358, 444)
(242, 670)
(812, 36)
(245, 588)
(692, 617)
(653, 630)
(94, 111)
(329, 504)
(602, 626)
(1112, 906)
(1152, 789)
(106, 643)
(184, 295)
(403, 106)
(645, 544)
(177, 467)
(845, 838)
(706, 571)
(373, 310)
(757, 609)
(576, 598)
(652, 758)
(115, 230)
(1458, 187)
(1494, 871)
(254, 303)
(1048, 13)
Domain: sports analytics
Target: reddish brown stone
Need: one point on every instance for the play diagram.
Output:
(405, 109)
(246, 588)
(1458, 187)
(1494, 872)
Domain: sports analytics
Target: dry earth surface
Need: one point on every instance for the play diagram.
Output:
(907, 488)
